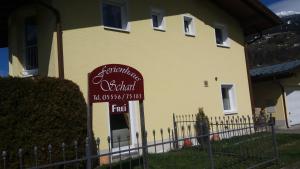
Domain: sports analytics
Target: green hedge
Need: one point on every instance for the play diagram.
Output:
(39, 112)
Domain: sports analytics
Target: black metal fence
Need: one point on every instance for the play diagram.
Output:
(249, 141)
(224, 142)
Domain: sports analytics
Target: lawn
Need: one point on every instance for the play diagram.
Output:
(191, 158)
(289, 151)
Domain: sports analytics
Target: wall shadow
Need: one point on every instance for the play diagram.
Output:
(204, 10)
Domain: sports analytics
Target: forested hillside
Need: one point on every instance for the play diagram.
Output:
(277, 45)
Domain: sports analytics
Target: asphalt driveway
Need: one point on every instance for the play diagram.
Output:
(291, 130)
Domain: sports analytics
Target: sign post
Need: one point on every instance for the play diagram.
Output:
(117, 84)
(89, 132)
(144, 137)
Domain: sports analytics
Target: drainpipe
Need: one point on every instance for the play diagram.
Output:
(284, 102)
(58, 33)
(249, 79)
(247, 43)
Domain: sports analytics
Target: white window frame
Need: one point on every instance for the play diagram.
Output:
(123, 4)
(192, 27)
(225, 37)
(161, 19)
(232, 98)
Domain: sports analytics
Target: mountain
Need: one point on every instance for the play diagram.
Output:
(278, 44)
(287, 13)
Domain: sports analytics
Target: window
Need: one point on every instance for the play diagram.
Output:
(122, 125)
(115, 15)
(189, 27)
(31, 49)
(228, 98)
(158, 20)
(221, 34)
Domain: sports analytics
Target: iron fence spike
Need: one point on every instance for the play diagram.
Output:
(63, 145)
(20, 152)
(49, 147)
(35, 148)
(98, 140)
(4, 153)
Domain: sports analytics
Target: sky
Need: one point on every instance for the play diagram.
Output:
(275, 5)
(283, 5)
(3, 62)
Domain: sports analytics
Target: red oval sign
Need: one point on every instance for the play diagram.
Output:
(115, 82)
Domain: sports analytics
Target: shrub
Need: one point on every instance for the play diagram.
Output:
(202, 128)
(37, 112)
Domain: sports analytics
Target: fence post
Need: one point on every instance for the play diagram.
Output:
(4, 154)
(175, 132)
(88, 153)
(20, 153)
(210, 153)
(272, 121)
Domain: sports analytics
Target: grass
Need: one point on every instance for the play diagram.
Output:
(191, 158)
(289, 151)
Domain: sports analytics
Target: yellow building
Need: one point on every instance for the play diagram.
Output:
(191, 52)
(276, 89)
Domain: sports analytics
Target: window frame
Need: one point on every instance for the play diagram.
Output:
(191, 19)
(123, 4)
(161, 16)
(225, 36)
(232, 98)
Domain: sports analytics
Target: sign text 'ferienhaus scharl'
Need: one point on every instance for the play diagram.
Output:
(115, 82)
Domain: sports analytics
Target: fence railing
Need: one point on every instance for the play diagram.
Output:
(220, 138)
(186, 124)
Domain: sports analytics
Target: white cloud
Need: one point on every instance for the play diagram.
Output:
(286, 5)
(286, 13)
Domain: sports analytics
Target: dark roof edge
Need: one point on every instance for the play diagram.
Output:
(271, 78)
(280, 74)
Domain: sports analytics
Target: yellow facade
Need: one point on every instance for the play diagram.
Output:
(174, 65)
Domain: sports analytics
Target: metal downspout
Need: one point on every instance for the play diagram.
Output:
(249, 79)
(247, 43)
